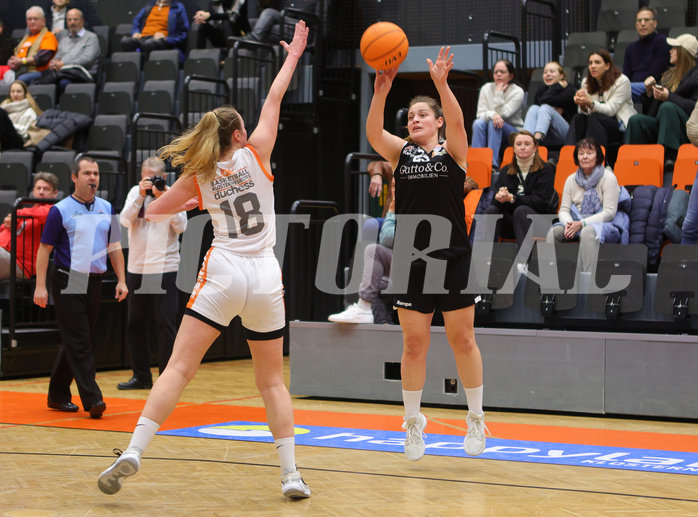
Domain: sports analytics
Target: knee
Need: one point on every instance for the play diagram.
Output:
(415, 347)
(465, 344)
(521, 212)
(587, 235)
(479, 124)
(370, 229)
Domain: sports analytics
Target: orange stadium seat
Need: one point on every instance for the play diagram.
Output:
(480, 165)
(640, 165)
(685, 167)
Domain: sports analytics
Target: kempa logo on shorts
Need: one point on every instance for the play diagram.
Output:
(403, 304)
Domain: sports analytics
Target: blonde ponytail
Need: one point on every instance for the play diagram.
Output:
(199, 149)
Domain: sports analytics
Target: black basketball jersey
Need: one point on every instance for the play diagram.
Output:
(432, 183)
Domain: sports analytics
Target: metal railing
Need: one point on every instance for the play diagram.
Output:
(497, 46)
(541, 33)
(200, 95)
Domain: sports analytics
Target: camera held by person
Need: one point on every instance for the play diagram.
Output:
(159, 183)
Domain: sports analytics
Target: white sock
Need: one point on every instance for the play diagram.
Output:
(364, 305)
(412, 401)
(286, 449)
(474, 398)
(143, 433)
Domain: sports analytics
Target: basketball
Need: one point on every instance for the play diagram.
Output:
(384, 46)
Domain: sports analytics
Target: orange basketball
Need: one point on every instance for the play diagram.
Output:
(384, 46)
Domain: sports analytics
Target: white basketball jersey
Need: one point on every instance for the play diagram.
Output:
(240, 200)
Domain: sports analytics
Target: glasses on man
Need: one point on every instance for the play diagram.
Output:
(644, 20)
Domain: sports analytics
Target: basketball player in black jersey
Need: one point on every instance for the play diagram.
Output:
(429, 177)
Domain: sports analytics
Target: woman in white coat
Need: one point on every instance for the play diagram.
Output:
(605, 103)
(21, 108)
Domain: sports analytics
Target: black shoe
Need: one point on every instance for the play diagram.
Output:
(68, 407)
(98, 409)
(135, 384)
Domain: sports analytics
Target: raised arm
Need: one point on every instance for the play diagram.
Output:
(385, 143)
(456, 135)
(264, 136)
(174, 200)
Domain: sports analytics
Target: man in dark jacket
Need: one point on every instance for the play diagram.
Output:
(160, 25)
(648, 56)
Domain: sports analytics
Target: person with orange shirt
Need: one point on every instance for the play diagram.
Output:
(35, 50)
(160, 25)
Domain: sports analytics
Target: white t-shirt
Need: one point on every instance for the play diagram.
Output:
(153, 247)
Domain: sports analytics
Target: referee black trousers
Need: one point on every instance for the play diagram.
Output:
(77, 317)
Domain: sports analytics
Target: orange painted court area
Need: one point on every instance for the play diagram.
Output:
(122, 414)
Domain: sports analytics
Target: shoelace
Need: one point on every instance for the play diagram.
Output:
(118, 452)
(479, 428)
(413, 433)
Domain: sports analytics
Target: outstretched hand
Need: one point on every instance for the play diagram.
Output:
(300, 40)
(440, 68)
(384, 80)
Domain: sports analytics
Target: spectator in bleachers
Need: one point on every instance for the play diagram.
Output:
(667, 105)
(21, 109)
(57, 21)
(77, 58)
(7, 44)
(377, 261)
(378, 171)
(548, 118)
(223, 19)
(648, 56)
(29, 226)
(605, 103)
(35, 49)
(689, 230)
(524, 187)
(267, 28)
(160, 25)
(589, 198)
(499, 110)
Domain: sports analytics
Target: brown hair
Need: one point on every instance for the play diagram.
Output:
(48, 177)
(436, 108)
(200, 148)
(538, 162)
(608, 78)
(76, 163)
(27, 95)
(684, 62)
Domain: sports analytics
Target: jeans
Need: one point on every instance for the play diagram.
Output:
(377, 262)
(546, 120)
(637, 89)
(28, 77)
(689, 231)
(486, 135)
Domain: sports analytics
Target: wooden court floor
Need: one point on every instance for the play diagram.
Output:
(49, 461)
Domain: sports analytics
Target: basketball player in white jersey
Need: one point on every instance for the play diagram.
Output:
(230, 174)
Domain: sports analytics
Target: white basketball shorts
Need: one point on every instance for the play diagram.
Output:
(232, 285)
